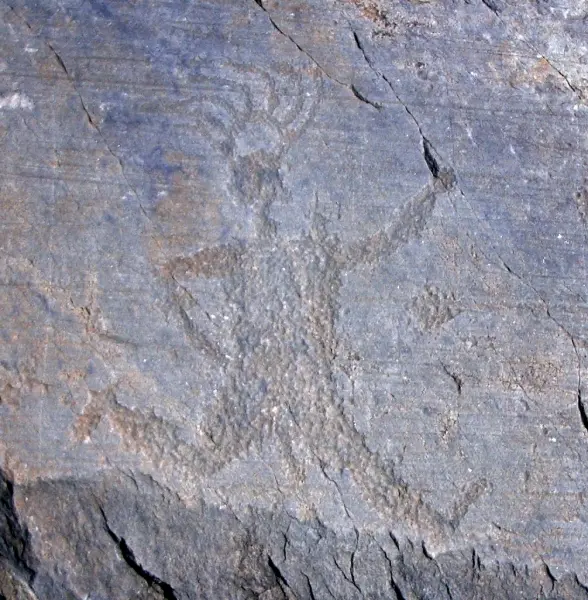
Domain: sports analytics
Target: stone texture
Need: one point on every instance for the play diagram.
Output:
(293, 299)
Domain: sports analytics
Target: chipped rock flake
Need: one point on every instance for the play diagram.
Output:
(16, 101)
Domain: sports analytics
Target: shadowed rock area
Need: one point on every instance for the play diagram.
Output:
(293, 299)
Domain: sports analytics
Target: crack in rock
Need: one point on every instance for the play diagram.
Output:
(492, 6)
(446, 175)
(127, 554)
(320, 67)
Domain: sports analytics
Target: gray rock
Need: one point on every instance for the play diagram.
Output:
(292, 299)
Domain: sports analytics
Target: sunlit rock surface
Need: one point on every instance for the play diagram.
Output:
(293, 299)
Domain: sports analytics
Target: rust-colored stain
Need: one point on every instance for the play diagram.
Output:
(373, 12)
(541, 71)
(87, 422)
(208, 262)
(539, 74)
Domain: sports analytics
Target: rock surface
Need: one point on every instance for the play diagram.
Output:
(293, 299)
